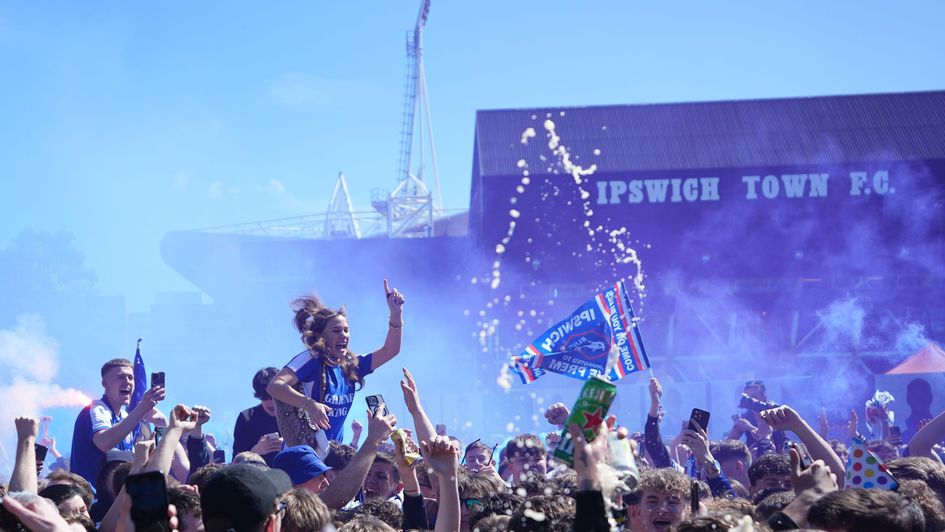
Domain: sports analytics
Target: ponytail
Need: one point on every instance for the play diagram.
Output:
(311, 318)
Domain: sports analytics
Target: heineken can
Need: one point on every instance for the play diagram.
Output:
(588, 413)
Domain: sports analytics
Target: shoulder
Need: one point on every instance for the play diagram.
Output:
(83, 421)
(301, 360)
(98, 408)
(247, 414)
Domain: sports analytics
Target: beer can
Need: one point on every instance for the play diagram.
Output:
(588, 413)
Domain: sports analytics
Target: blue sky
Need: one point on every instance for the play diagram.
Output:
(122, 121)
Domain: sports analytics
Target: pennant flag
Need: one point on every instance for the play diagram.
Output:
(601, 337)
(866, 470)
(141, 378)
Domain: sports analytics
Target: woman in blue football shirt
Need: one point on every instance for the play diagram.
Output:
(315, 390)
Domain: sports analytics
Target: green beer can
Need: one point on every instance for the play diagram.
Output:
(588, 413)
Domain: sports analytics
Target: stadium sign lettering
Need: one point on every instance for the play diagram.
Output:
(754, 188)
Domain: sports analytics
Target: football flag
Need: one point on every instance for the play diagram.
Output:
(141, 378)
(601, 337)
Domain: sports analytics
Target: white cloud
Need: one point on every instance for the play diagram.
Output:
(273, 186)
(218, 190)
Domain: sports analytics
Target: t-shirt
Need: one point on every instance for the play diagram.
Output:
(251, 425)
(87, 460)
(339, 391)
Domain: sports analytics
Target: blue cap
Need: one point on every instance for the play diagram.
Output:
(301, 463)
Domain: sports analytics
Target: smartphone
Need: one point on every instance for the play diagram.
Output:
(895, 434)
(159, 434)
(374, 402)
(157, 379)
(219, 456)
(701, 417)
(41, 451)
(272, 436)
(806, 458)
(148, 501)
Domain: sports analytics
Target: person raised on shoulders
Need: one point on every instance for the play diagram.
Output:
(321, 380)
(106, 424)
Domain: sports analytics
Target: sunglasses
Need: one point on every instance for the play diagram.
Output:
(472, 504)
(755, 383)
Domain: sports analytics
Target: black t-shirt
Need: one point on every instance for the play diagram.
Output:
(251, 425)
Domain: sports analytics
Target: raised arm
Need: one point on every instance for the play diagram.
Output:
(414, 514)
(698, 442)
(356, 429)
(590, 513)
(182, 420)
(443, 457)
(652, 439)
(809, 485)
(785, 418)
(926, 437)
(24, 466)
(107, 439)
(421, 423)
(143, 452)
(344, 487)
(198, 452)
(281, 389)
(395, 326)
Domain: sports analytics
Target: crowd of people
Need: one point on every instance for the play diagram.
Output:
(137, 468)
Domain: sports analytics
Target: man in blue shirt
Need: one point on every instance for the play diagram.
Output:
(106, 425)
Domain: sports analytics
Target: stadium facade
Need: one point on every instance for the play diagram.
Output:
(780, 238)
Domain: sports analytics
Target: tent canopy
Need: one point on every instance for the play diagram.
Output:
(929, 359)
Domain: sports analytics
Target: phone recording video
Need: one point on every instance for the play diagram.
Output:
(148, 501)
(803, 453)
(219, 456)
(374, 402)
(700, 417)
(157, 379)
(41, 451)
(159, 434)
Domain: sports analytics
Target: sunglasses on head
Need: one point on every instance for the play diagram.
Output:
(465, 452)
(755, 383)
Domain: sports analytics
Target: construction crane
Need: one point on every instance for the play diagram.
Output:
(411, 208)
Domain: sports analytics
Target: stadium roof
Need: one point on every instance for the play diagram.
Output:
(719, 134)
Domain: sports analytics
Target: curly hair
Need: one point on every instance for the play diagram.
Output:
(665, 480)
(383, 509)
(366, 523)
(769, 464)
(542, 513)
(311, 318)
(186, 501)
